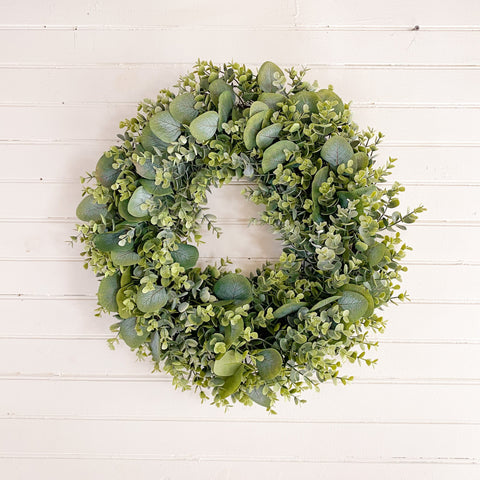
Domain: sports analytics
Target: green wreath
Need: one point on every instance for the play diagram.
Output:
(291, 325)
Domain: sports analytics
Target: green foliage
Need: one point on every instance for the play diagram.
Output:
(291, 325)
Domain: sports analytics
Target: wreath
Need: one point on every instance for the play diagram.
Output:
(291, 324)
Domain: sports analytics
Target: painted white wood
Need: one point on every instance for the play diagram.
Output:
(69, 406)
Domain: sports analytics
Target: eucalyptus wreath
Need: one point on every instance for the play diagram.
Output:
(291, 325)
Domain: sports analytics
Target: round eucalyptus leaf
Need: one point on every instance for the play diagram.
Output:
(330, 96)
(165, 127)
(147, 169)
(203, 128)
(232, 383)
(89, 210)
(272, 99)
(140, 197)
(325, 302)
(217, 87)
(355, 303)
(271, 365)
(233, 332)
(225, 105)
(107, 292)
(376, 254)
(152, 301)
(266, 136)
(266, 76)
(227, 363)
(186, 255)
(233, 286)
(124, 258)
(360, 161)
(253, 126)
(351, 287)
(259, 397)
(256, 107)
(155, 190)
(126, 277)
(150, 141)
(155, 346)
(182, 108)
(123, 311)
(320, 177)
(303, 98)
(105, 173)
(108, 241)
(129, 334)
(274, 155)
(123, 211)
(288, 308)
(336, 150)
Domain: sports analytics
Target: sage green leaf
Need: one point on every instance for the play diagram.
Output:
(233, 286)
(266, 76)
(217, 87)
(271, 365)
(233, 332)
(360, 161)
(274, 155)
(324, 302)
(227, 364)
(150, 141)
(125, 258)
(376, 253)
(288, 308)
(351, 287)
(336, 150)
(186, 255)
(330, 96)
(258, 396)
(232, 383)
(256, 107)
(355, 303)
(182, 108)
(305, 97)
(153, 189)
(225, 105)
(140, 197)
(203, 128)
(148, 169)
(107, 292)
(253, 126)
(267, 135)
(123, 311)
(105, 174)
(89, 210)
(126, 277)
(272, 99)
(129, 334)
(155, 346)
(123, 211)
(152, 301)
(165, 127)
(108, 241)
(320, 177)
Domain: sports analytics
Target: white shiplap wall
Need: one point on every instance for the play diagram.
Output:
(69, 71)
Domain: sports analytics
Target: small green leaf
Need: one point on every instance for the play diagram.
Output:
(336, 150)
(124, 258)
(152, 301)
(305, 97)
(266, 76)
(233, 286)
(165, 127)
(288, 308)
(253, 126)
(272, 99)
(89, 210)
(203, 128)
(355, 303)
(186, 255)
(271, 365)
(182, 108)
(140, 197)
(105, 174)
(217, 87)
(324, 302)
(267, 135)
(330, 96)
(153, 189)
(227, 364)
(107, 292)
(225, 105)
(129, 334)
(232, 383)
(150, 141)
(155, 346)
(274, 155)
(258, 396)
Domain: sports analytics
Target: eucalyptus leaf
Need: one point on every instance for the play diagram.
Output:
(355, 303)
(109, 241)
(217, 87)
(288, 309)
(266, 136)
(325, 302)
(148, 168)
(232, 383)
(155, 190)
(266, 76)
(271, 365)
(376, 254)
(225, 105)
(152, 301)
(365, 293)
(272, 99)
(233, 332)
(140, 197)
(257, 107)
(331, 96)
(336, 150)
(186, 255)
(150, 141)
(155, 346)
(107, 292)
(123, 310)
(259, 397)
(253, 126)
(204, 127)
(89, 210)
(274, 155)
(125, 258)
(182, 108)
(129, 334)
(303, 98)
(233, 286)
(165, 127)
(228, 363)
(123, 211)
(105, 173)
